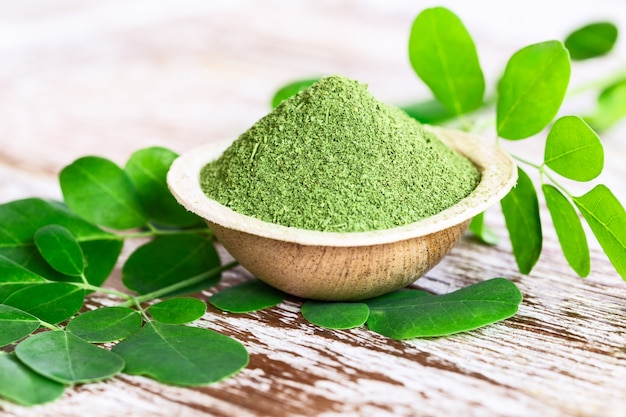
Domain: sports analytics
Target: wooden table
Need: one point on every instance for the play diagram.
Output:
(110, 77)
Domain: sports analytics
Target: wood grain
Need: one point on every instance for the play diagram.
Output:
(110, 77)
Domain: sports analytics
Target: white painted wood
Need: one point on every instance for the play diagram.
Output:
(109, 77)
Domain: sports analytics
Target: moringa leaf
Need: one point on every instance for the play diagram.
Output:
(591, 41)
(607, 219)
(20, 384)
(14, 277)
(101, 192)
(520, 208)
(333, 315)
(429, 111)
(291, 89)
(68, 359)
(51, 302)
(574, 150)
(440, 315)
(20, 220)
(15, 324)
(569, 230)
(532, 89)
(181, 355)
(105, 324)
(178, 310)
(249, 296)
(482, 231)
(611, 107)
(398, 298)
(444, 56)
(60, 249)
(147, 169)
(170, 259)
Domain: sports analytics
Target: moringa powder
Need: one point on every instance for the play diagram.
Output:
(333, 158)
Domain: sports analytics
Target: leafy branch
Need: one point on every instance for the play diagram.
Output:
(529, 96)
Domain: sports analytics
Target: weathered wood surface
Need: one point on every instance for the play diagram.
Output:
(109, 77)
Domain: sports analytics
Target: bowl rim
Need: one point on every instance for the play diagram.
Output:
(498, 175)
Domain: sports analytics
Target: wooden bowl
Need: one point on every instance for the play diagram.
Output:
(344, 266)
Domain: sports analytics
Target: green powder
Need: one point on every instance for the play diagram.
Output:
(333, 158)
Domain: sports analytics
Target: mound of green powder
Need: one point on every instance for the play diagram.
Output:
(333, 158)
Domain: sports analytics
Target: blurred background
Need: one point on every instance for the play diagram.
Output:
(109, 77)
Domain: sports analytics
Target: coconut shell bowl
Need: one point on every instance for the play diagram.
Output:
(344, 266)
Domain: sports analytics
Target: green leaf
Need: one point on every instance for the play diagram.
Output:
(182, 355)
(14, 277)
(249, 296)
(482, 231)
(169, 259)
(178, 310)
(569, 230)
(336, 316)
(20, 220)
(462, 310)
(291, 89)
(15, 324)
(521, 214)
(60, 249)
(611, 107)
(147, 169)
(591, 41)
(429, 111)
(532, 89)
(51, 302)
(105, 324)
(607, 220)
(68, 359)
(574, 150)
(20, 384)
(400, 297)
(101, 192)
(444, 56)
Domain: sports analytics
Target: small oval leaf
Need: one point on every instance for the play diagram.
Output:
(428, 112)
(147, 169)
(532, 89)
(249, 296)
(574, 150)
(50, 302)
(337, 316)
(444, 56)
(105, 324)
(591, 41)
(15, 324)
(68, 359)
(569, 230)
(607, 219)
(482, 231)
(611, 107)
(20, 384)
(439, 315)
(178, 310)
(60, 249)
(169, 259)
(520, 208)
(101, 192)
(182, 355)
(291, 89)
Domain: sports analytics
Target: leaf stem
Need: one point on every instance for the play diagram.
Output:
(89, 287)
(48, 325)
(162, 232)
(196, 279)
(526, 162)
